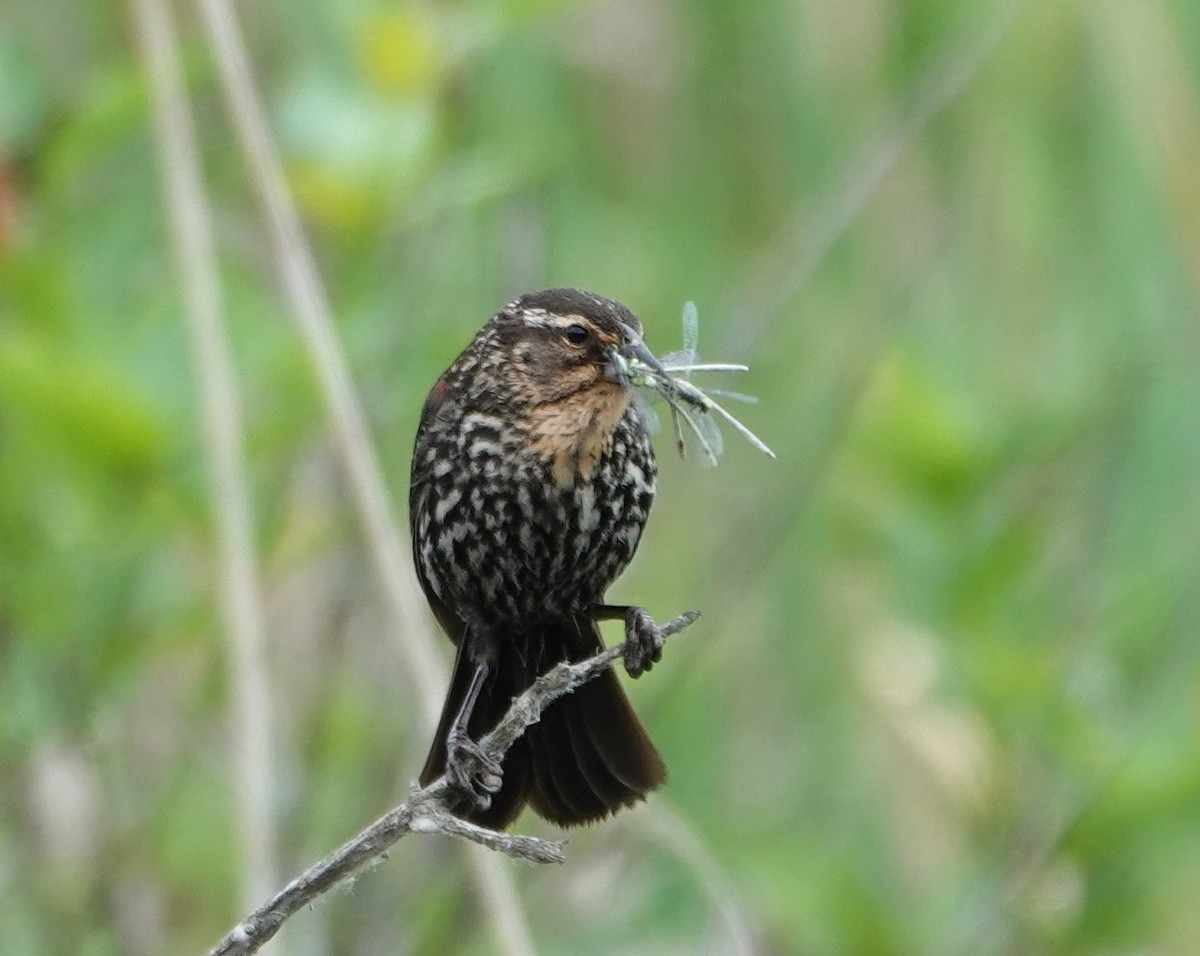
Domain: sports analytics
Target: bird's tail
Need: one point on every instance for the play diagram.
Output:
(586, 758)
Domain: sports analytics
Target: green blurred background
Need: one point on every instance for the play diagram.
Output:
(945, 697)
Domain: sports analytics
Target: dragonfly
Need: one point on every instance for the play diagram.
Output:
(690, 405)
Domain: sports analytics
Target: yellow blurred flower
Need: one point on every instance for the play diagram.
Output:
(400, 54)
(332, 198)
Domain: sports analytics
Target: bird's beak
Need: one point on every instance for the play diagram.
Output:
(632, 348)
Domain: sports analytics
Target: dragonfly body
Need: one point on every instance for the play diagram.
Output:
(690, 404)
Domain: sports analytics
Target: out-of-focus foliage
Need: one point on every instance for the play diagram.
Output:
(945, 697)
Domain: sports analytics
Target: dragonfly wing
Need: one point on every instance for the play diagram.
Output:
(691, 327)
(646, 412)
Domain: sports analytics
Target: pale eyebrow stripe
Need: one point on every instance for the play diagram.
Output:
(554, 322)
(541, 319)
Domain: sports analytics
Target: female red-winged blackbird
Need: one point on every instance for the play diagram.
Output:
(532, 478)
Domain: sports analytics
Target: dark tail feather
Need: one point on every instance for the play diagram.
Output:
(590, 755)
(587, 757)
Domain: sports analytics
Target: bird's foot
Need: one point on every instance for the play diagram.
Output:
(470, 771)
(643, 642)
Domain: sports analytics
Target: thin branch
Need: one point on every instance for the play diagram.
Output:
(239, 594)
(310, 309)
(428, 810)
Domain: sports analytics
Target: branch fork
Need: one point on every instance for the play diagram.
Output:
(427, 810)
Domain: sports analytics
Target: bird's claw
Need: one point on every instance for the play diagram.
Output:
(470, 771)
(643, 642)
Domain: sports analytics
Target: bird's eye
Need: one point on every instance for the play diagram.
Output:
(576, 334)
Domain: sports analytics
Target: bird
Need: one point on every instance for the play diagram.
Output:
(533, 476)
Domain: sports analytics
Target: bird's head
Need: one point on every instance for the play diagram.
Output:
(553, 360)
(558, 345)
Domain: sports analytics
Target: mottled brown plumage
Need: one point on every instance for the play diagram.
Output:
(532, 479)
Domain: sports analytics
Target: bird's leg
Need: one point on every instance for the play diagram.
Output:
(471, 771)
(643, 638)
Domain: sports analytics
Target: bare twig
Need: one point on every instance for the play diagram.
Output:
(427, 810)
(239, 594)
(310, 309)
